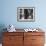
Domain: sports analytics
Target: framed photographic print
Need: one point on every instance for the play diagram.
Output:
(26, 14)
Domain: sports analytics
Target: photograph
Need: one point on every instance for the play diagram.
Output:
(25, 14)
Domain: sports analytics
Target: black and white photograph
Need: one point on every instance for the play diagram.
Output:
(25, 14)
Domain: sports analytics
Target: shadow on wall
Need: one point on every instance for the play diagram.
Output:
(2, 27)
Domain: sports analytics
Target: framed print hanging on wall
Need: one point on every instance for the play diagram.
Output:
(26, 14)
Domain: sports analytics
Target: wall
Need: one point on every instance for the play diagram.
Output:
(8, 13)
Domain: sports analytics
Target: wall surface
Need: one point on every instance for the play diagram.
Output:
(8, 13)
